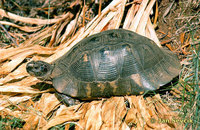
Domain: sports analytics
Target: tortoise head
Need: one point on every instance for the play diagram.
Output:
(40, 69)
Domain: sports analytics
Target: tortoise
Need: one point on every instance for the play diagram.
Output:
(115, 62)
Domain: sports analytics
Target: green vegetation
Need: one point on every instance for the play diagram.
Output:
(191, 91)
(10, 122)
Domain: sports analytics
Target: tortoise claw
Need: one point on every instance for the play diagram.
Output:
(68, 101)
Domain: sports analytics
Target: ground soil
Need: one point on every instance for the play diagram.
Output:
(182, 18)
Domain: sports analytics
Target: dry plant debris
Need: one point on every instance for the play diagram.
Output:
(112, 113)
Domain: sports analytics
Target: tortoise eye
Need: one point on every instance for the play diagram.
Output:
(36, 67)
(44, 68)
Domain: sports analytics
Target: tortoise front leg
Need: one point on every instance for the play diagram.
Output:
(69, 101)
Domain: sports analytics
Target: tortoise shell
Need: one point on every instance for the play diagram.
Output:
(110, 63)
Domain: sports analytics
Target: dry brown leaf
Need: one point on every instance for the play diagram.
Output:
(113, 111)
(124, 126)
(16, 113)
(47, 103)
(6, 54)
(92, 118)
(136, 20)
(18, 74)
(182, 37)
(116, 21)
(130, 16)
(152, 33)
(38, 115)
(12, 100)
(143, 21)
(63, 115)
(36, 21)
(131, 119)
(68, 31)
(31, 123)
(23, 28)
(14, 62)
(18, 89)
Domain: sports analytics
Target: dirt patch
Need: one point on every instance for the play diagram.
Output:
(175, 22)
